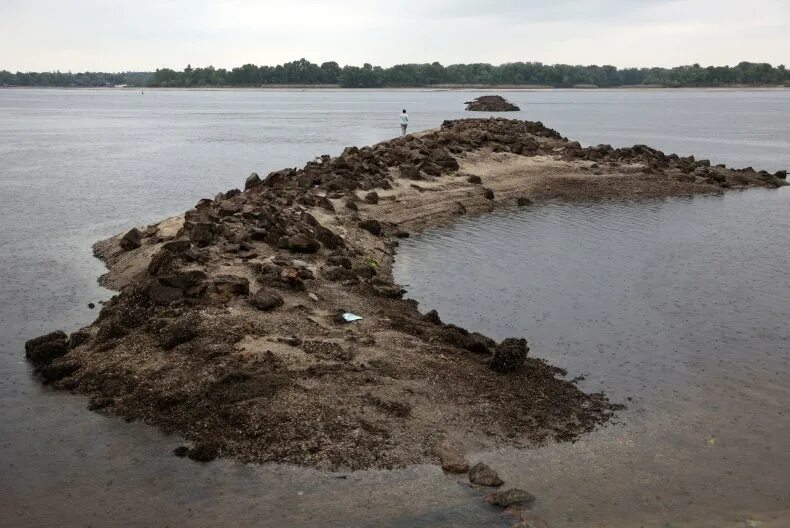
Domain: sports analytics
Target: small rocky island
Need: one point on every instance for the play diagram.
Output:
(265, 324)
(491, 103)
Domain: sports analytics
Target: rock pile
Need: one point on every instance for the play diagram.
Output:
(491, 103)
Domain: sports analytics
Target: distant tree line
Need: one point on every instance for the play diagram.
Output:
(415, 75)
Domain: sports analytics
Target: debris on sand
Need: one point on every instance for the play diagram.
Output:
(228, 324)
(491, 103)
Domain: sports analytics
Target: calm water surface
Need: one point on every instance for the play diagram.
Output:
(80, 165)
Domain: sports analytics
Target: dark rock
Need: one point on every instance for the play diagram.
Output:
(204, 452)
(266, 299)
(460, 209)
(43, 349)
(523, 202)
(782, 174)
(433, 317)
(131, 240)
(489, 194)
(372, 197)
(301, 243)
(79, 337)
(253, 180)
(163, 295)
(409, 171)
(509, 355)
(372, 226)
(202, 233)
(91, 305)
(182, 451)
(511, 497)
(474, 179)
(483, 475)
(351, 205)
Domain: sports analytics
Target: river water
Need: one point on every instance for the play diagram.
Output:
(678, 304)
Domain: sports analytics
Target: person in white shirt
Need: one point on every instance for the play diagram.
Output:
(404, 122)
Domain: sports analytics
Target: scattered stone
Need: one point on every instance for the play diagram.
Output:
(474, 179)
(372, 226)
(489, 194)
(91, 305)
(511, 497)
(301, 243)
(372, 197)
(182, 451)
(266, 299)
(523, 202)
(133, 239)
(483, 475)
(460, 209)
(491, 103)
(509, 355)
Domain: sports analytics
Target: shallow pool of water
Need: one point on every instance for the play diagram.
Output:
(676, 307)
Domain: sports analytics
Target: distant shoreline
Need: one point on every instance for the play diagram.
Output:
(434, 88)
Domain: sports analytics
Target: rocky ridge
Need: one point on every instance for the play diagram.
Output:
(229, 328)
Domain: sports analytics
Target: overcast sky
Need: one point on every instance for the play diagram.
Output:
(117, 35)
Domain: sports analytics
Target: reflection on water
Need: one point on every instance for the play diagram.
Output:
(676, 307)
(80, 165)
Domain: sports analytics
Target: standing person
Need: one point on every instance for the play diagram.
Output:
(404, 122)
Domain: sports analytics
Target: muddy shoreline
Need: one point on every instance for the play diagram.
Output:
(227, 329)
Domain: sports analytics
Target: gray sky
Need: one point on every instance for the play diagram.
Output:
(114, 35)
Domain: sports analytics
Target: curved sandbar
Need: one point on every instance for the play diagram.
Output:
(227, 327)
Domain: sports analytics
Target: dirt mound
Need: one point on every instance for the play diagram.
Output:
(232, 327)
(491, 103)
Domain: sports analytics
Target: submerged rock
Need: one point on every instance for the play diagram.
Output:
(483, 475)
(511, 497)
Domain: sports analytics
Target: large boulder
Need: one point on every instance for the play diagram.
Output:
(131, 240)
(43, 349)
(509, 355)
